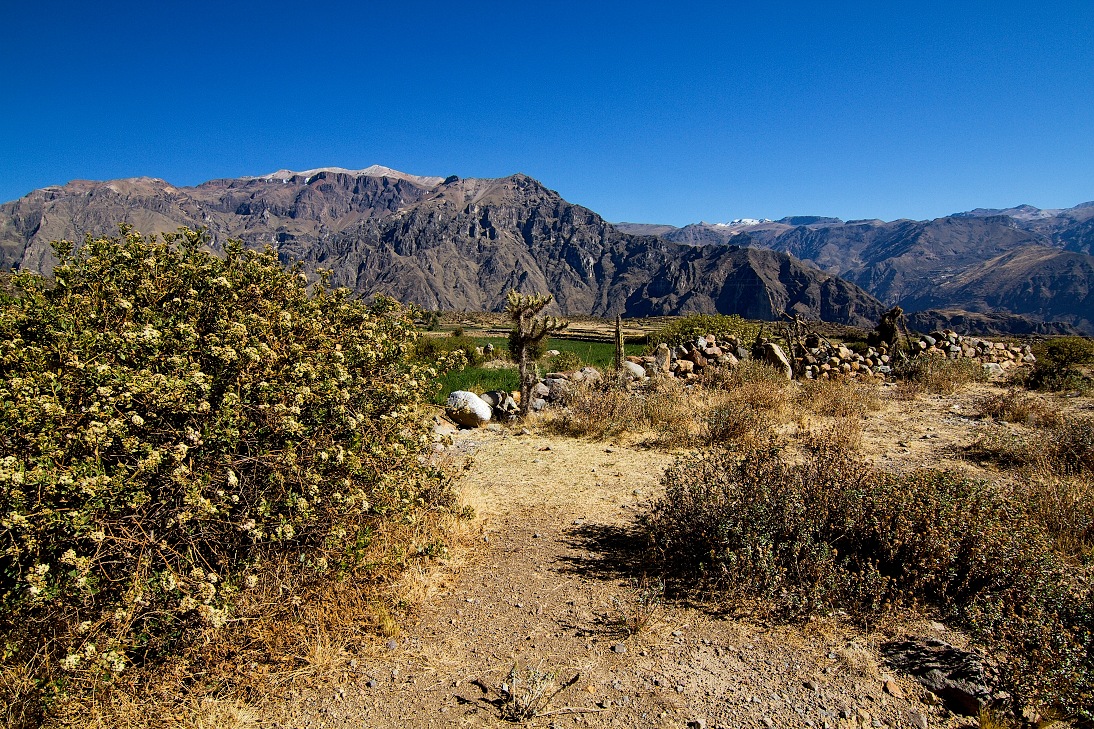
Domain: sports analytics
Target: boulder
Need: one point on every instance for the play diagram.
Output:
(697, 358)
(662, 357)
(558, 389)
(503, 404)
(958, 677)
(590, 374)
(774, 356)
(467, 409)
(633, 371)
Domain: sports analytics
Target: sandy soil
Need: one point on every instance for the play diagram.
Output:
(545, 579)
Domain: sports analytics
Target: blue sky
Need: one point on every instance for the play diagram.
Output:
(647, 112)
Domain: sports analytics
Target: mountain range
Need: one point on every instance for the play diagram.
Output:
(1023, 261)
(452, 243)
(442, 243)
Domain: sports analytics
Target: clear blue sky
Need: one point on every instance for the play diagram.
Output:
(643, 111)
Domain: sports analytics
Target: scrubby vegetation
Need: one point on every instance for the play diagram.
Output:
(1058, 364)
(430, 349)
(741, 405)
(184, 438)
(754, 531)
(937, 375)
(746, 402)
(687, 328)
(1018, 406)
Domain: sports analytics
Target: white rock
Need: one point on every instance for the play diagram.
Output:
(633, 371)
(467, 409)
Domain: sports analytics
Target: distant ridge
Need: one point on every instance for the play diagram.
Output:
(371, 171)
(444, 243)
(1021, 261)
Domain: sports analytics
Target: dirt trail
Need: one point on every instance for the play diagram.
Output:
(546, 577)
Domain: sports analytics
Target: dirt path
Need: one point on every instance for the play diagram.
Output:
(546, 579)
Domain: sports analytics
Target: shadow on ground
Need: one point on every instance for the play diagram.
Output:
(606, 552)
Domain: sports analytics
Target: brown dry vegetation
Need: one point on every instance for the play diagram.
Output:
(1031, 481)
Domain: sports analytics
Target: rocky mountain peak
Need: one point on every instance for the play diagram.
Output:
(444, 243)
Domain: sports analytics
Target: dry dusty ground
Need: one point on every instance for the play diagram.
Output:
(545, 576)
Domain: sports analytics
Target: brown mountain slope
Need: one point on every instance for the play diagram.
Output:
(933, 262)
(455, 244)
(1046, 283)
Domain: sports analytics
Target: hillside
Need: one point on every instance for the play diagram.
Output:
(444, 244)
(1022, 261)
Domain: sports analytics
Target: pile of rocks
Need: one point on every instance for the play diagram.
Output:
(822, 360)
(688, 360)
(556, 387)
(474, 411)
(995, 356)
(816, 358)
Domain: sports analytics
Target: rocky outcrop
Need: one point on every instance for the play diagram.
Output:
(454, 244)
(962, 679)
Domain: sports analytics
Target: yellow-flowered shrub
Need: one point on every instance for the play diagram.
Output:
(172, 424)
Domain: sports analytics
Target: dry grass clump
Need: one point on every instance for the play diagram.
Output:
(743, 404)
(840, 398)
(1017, 406)
(610, 409)
(1054, 467)
(751, 530)
(937, 375)
(840, 433)
(1063, 506)
(1064, 445)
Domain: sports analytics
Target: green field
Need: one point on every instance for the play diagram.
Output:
(481, 379)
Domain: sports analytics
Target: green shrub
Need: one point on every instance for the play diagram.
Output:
(565, 362)
(755, 530)
(176, 428)
(1065, 351)
(1057, 364)
(435, 349)
(687, 328)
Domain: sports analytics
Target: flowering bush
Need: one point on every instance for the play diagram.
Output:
(172, 424)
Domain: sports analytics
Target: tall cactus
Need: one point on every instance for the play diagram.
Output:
(529, 330)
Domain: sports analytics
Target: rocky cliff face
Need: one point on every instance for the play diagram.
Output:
(1022, 261)
(451, 244)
